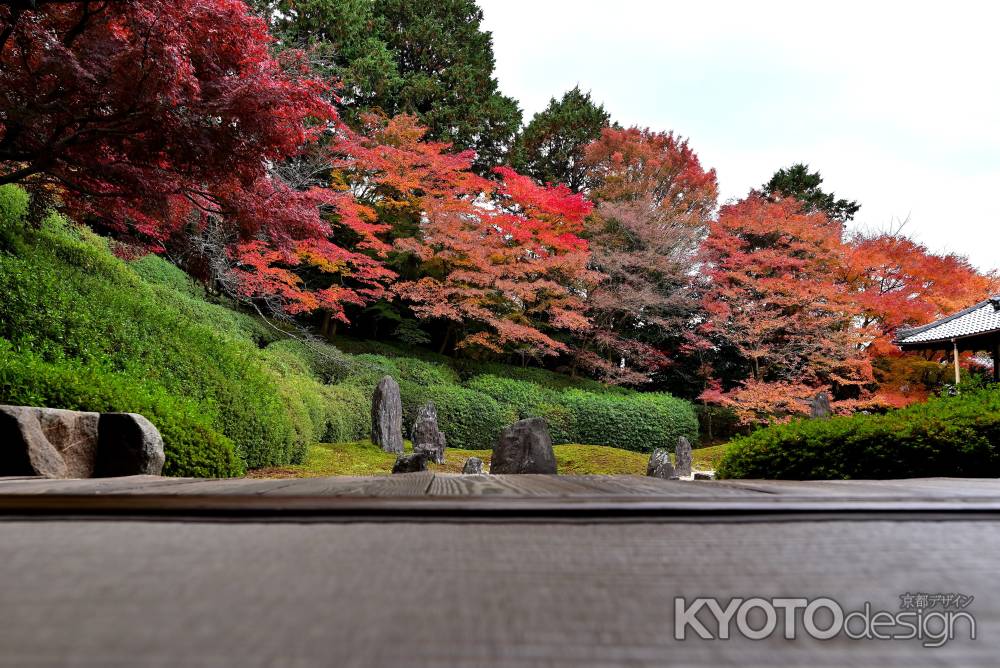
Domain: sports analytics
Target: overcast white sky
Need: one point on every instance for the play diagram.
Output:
(896, 103)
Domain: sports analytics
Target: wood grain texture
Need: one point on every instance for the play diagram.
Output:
(146, 594)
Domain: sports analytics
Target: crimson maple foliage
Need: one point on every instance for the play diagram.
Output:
(774, 299)
(503, 263)
(155, 120)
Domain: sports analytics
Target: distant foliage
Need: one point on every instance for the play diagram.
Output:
(952, 436)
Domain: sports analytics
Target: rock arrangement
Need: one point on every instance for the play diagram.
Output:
(682, 457)
(524, 447)
(659, 465)
(473, 466)
(57, 443)
(387, 416)
(426, 436)
(412, 463)
(704, 476)
(820, 407)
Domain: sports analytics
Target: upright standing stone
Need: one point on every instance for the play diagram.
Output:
(819, 407)
(682, 457)
(524, 447)
(387, 416)
(659, 465)
(473, 466)
(128, 444)
(426, 436)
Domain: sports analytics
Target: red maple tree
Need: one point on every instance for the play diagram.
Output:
(504, 266)
(157, 120)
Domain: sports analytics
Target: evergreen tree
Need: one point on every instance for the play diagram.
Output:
(551, 149)
(798, 182)
(431, 59)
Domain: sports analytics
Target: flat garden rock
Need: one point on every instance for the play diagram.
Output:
(128, 444)
(411, 463)
(524, 447)
(473, 466)
(682, 457)
(426, 436)
(659, 465)
(387, 416)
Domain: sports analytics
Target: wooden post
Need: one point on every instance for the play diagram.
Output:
(958, 371)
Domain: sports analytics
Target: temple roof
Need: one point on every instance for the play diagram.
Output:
(981, 319)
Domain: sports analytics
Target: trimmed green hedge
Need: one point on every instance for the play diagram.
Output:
(628, 420)
(640, 421)
(469, 419)
(194, 447)
(950, 436)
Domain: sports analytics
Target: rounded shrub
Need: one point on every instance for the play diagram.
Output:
(524, 397)
(634, 421)
(951, 436)
(349, 413)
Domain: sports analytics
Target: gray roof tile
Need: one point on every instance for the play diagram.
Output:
(983, 318)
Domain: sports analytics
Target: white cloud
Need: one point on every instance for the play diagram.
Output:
(895, 102)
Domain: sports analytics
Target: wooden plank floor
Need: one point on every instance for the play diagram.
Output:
(516, 486)
(447, 570)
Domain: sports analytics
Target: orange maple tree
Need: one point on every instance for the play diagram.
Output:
(773, 299)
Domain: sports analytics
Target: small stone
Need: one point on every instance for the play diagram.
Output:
(426, 436)
(659, 465)
(524, 447)
(387, 416)
(473, 466)
(703, 476)
(127, 444)
(682, 458)
(819, 407)
(412, 463)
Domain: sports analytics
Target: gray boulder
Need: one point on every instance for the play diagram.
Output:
(524, 447)
(704, 476)
(682, 457)
(387, 416)
(820, 407)
(412, 463)
(58, 443)
(426, 436)
(659, 465)
(128, 444)
(473, 466)
(26, 450)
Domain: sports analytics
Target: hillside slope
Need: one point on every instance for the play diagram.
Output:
(83, 329)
